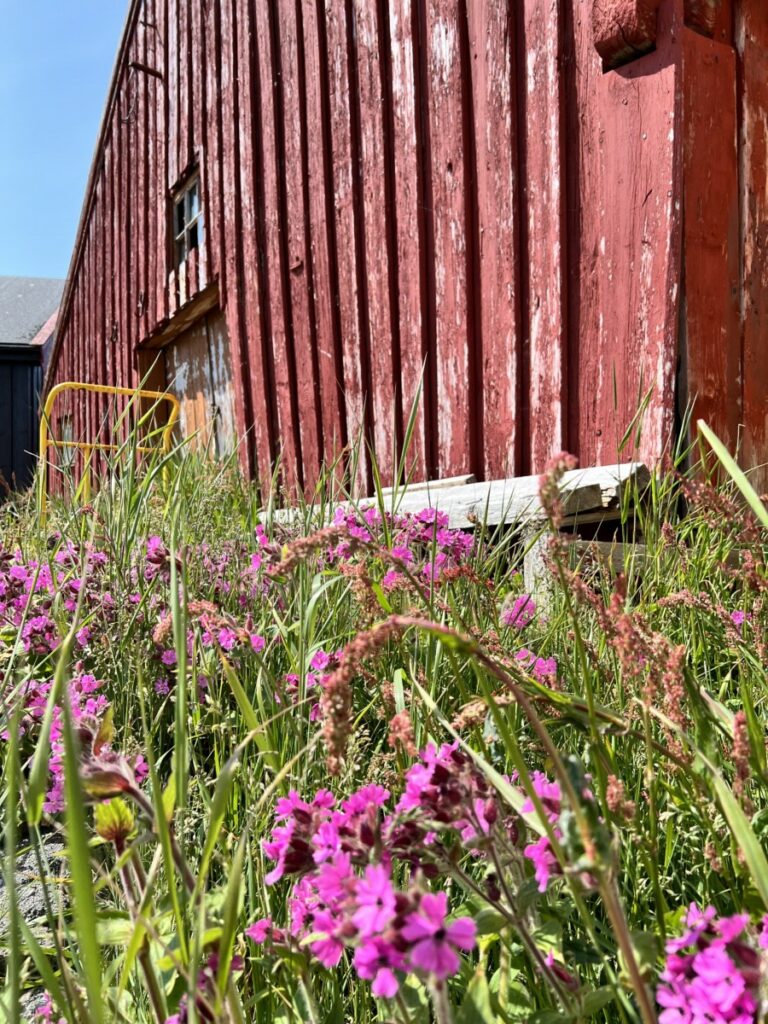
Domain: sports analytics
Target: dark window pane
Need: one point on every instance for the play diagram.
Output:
(192, 236)
(193, 202)
(181, 251)
(179, 219)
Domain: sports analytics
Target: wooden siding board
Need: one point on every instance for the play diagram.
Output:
(357, 112)
(407, 214)
(711, 232)
(162, 106)
(251, 286)
(376, 256)
(274, 229)
(545, 178)
(91, 341)
(347, 251)
(231, 227)
(198, 125)
(498, 258)
(297, 253)
(111, 261)
(143, 144)
(174, 91)
(321, 232)
(752, 43)
(123, 233)
(629, 214)
(452, 357)
(184, 124)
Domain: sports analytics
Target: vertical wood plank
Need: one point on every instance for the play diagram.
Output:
(545, 177)
(711, 233)
(383, 339)
(408, 217)
(153, 88)
(752, 44)
(124, 207)
(231, 226)
(322, 233)
(297, 250)
(625, 179)
(356, 389)
(146, 216)
(185, 97)
(212, 190)
(174, 90)
(162, 104)
(498, 258)
(198, 150)
(273, 227)
(261, 376)
(448, 197)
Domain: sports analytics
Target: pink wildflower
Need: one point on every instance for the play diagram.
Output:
(375, 901)
(520, 613)
(377, 960)
(435, 942)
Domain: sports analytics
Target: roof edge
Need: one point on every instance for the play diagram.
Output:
(74, 263)
(47, 329)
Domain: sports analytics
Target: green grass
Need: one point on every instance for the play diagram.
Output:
(658, 711)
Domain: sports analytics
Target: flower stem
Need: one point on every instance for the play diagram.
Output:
(440, 1004)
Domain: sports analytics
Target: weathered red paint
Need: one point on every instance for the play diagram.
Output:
(752, 48)
(497, 273)
(551, 206)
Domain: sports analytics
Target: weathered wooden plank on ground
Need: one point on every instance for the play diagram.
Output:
(592, 492)
(513, 500)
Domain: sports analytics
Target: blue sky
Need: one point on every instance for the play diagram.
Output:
(56, 59)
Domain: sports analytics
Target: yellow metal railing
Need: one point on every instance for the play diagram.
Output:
(89, 447)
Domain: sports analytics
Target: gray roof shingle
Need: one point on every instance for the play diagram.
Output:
(26, 303)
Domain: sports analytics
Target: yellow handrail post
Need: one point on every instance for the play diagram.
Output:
(42, 498)
(88, 447)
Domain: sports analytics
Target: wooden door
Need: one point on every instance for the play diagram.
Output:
(199, 372)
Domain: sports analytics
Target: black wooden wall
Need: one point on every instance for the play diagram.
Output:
(20, 381)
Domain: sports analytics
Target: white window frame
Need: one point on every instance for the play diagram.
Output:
(181, 195)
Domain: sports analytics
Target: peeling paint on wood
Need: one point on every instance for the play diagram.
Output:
(454, 185)
(752, 47)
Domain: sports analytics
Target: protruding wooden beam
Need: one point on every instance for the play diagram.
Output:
(624, 30)
(700, 15)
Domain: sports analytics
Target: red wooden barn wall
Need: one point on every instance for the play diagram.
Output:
(462, 186)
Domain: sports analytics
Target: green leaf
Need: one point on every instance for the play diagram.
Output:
(80, 866)
(12, 795)
(114, 929)
(215, 821)
(113, 820)
(476, 1007)
(736, 474)
(231, 914)
(42, 965)
(742, 832)
(596, 1000)
(490, 921)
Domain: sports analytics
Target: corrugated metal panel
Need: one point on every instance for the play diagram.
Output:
(460, 186)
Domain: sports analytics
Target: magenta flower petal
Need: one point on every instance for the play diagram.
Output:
(435, 957)
(385, 984)
(462, 933)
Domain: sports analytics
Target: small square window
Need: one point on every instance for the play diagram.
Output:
(187, 218)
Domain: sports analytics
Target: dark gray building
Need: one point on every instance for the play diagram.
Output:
(28, 310)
